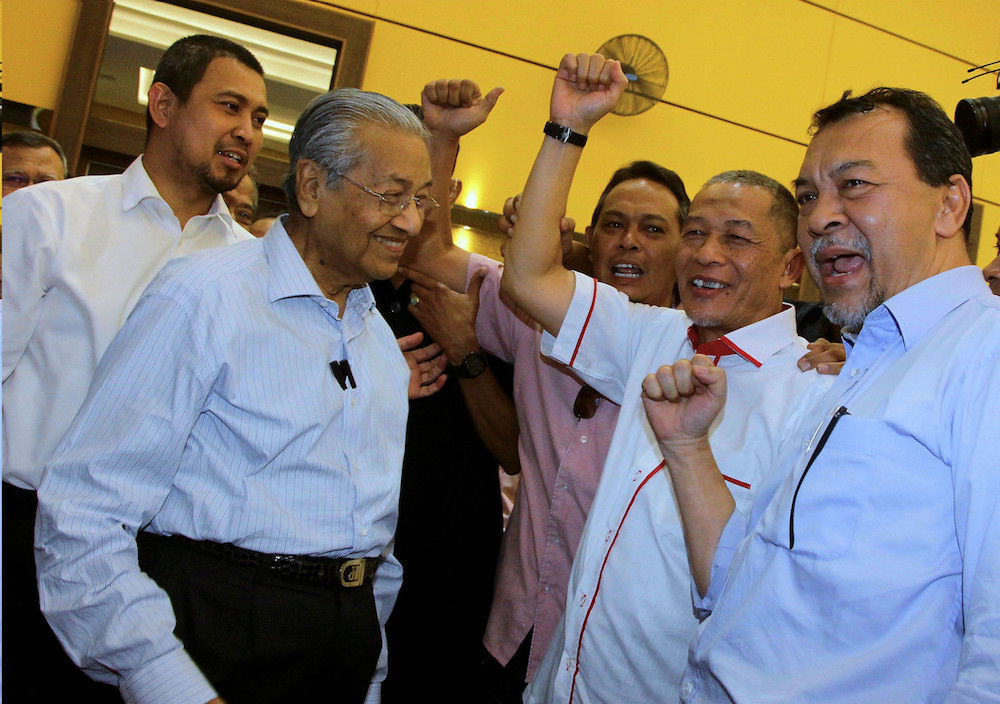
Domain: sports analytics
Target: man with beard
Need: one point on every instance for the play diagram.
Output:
(79, 254)
(868, 568)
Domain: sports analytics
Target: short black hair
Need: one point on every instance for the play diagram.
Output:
(933, 142)
(184, 63)
(35, 140)
(649, 171)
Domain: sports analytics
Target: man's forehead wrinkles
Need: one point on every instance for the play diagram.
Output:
(852, 164)
(615, 212)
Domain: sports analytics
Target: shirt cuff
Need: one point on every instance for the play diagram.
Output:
(172, 678)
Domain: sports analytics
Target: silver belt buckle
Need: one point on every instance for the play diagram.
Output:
(352, 572)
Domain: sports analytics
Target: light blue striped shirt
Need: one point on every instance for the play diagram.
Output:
(215, 415)
(890, 590)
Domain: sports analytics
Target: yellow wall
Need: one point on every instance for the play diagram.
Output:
(35, 51)
(766, 64)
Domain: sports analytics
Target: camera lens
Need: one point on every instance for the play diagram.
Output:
(978, 119)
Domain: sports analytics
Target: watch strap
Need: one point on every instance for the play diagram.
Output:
(564, 134)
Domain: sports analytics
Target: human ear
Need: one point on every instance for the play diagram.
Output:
(161, 103)
(794, 264)
(955, 203)
(309, 182)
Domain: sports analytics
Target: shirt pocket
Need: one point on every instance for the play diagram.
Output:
(827, 505)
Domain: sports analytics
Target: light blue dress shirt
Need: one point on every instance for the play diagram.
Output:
(891, 590)
(215, 415)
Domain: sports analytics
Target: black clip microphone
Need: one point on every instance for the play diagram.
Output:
(342, 371)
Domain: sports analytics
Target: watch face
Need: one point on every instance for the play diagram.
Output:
(473, 365)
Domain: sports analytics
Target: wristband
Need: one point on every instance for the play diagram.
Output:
(564, 134)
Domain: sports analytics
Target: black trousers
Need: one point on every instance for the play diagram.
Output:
(260, 638)
(506, 683)
(32, 653)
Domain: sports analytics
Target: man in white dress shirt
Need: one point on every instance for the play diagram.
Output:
(629, 614)
(79, 254)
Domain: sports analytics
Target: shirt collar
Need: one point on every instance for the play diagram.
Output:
(759, 341)
(919, 308)
(288, 275)
(138, 186)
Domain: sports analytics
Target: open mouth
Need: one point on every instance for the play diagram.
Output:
(707, 284)
(840, 265)
(627, 271)
(236, 158)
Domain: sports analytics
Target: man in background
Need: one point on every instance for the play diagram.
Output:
(242, 200)
(455, 440)
(80, 253)
(30, 158)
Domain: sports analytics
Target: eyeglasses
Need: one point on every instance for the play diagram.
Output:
(393, 204)
(585, 405)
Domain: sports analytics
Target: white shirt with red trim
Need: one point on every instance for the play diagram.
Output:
(629, 617)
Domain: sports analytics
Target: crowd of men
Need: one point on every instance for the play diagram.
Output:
(234, 471)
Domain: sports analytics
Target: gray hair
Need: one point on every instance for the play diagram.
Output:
(35, 140)
(327, 133)
(784, 210)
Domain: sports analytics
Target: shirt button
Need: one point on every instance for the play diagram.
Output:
(364, 531)
(583, 439)
(687, 689)
(855, 373)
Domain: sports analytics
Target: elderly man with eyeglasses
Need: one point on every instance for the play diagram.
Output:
(218, 520)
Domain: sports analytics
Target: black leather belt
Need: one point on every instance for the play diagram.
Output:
(336, 571)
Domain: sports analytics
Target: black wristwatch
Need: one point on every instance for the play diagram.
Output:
(562, 133)
(471, 366)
